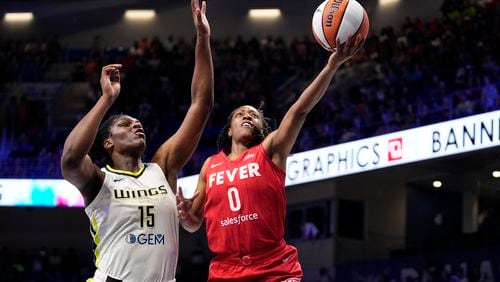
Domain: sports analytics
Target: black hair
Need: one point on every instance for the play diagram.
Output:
(98, 153)
(224, 141)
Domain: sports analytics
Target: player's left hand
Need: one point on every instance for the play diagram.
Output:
(344, 52)
(200, 18)
(183, 204)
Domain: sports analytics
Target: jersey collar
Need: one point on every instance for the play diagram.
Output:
(126, 172)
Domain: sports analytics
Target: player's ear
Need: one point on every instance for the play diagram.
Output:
(108, 143)
(229, 132)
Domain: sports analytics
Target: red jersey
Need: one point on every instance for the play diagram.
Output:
(245, 203)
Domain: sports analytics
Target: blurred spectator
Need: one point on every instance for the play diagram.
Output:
(324, 275)
(11, 117)
(309, 231)
(489, 95)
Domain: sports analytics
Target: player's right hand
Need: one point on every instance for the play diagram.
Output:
(110, 81)
(184, 204)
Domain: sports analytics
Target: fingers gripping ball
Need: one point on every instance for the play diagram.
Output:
(339, 19)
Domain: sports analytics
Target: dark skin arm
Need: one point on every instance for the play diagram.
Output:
(76, 165)
(176, 151)
(279, 143)
(191, 210)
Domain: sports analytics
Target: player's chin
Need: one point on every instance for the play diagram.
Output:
(248, 134)
(140, 137)
(140, 144)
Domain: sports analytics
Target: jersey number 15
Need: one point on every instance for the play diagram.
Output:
(147, 216)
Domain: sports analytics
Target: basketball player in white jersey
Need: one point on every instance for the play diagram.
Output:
(132, 205)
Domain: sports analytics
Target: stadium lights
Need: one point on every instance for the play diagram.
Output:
(18, 17)
(496, 173)
(437, 184)
(264, 14)
(140, 15)
(384, 3)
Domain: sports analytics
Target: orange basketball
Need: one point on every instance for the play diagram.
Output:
(339, 19)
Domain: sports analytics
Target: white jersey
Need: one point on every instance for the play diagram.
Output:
(134, 226)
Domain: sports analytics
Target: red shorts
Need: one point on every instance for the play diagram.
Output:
(276, 265)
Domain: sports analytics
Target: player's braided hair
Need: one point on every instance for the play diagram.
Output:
(224, 141)
(98, 153)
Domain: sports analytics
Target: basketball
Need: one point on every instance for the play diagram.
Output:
(339, 19)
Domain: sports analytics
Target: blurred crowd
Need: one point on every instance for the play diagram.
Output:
(43, 265)
(55, 265)
(419, 73)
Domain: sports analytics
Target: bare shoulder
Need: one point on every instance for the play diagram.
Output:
(267, 143)
(162, 152)
(94, 184)
(206, 163)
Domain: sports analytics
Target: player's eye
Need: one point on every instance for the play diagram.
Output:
(123, 123)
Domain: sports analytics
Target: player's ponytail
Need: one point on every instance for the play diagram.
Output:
(268, 125)
(223, 140)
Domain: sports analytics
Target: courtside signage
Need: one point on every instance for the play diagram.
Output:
(419, 144)
(57, 192)
(39, 193)
(402, 147)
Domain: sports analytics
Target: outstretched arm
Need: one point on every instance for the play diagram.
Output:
(76, 165)
(280, 142)
(176, 151)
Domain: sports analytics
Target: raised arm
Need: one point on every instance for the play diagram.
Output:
(279, 143)
(76, 165)
(177, 150)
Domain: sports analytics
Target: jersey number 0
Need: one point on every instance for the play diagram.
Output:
(234, 199)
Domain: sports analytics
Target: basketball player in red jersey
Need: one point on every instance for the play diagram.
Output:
(241, 189)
